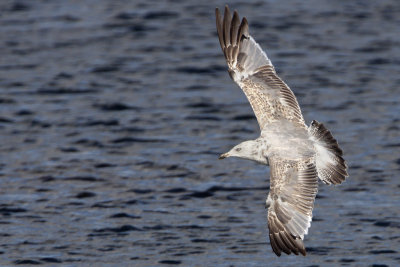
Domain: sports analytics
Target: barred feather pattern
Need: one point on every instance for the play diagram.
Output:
(249, 66)
(294, 185)
(331, 167)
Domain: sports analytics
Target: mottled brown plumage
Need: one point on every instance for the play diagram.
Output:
(269, 96)
(297, 154)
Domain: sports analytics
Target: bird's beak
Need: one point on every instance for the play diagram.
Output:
(225, 155)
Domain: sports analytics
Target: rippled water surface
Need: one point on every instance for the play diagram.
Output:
(113, 114)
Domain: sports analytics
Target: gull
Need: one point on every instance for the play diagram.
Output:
(297, 154)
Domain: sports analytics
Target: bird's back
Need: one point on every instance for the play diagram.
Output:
(288, 140)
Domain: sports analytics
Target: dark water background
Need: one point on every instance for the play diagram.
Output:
(113, 114)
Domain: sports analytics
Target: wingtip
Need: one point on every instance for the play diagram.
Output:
(303, 252)
(235, 15)
(300, 246)
(217, 13)
(244, 28)
(246, 23)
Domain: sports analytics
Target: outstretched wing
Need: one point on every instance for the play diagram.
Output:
(294, 185)
(269, 96)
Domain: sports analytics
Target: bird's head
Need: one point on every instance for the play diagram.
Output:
(236, 151)
(245, 149)
(250, 150)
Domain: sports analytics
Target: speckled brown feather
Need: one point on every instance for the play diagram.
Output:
(289, 200)
(270, 98)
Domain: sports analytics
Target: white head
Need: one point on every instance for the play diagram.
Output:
(251, 150)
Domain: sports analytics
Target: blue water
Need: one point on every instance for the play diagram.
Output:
(113, 115)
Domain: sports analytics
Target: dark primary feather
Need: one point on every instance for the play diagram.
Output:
(219, 29)
(235, 28)
(281, 240)
(227, 27)
(230, 32)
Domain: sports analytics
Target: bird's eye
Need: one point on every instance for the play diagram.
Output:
(238, 149)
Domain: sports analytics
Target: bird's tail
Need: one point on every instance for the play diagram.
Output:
(331, 166)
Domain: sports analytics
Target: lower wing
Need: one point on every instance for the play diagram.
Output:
(294, 185)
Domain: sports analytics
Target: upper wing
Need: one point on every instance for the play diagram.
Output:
(269, 96)
(294, 185)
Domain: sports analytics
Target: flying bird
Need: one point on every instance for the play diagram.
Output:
(297, 154)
